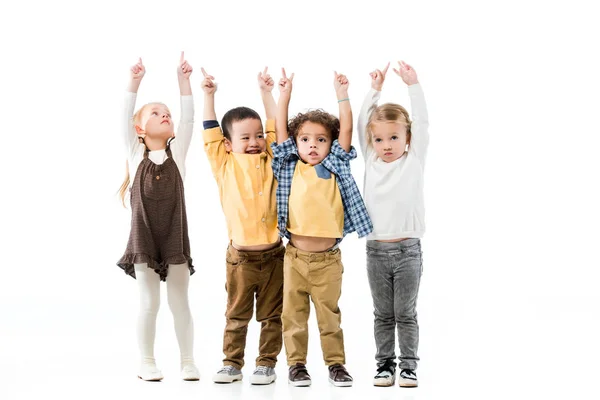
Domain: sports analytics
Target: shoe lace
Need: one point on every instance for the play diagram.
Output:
(261, 369)
(389, 365)
(227, 369)
(409, 372)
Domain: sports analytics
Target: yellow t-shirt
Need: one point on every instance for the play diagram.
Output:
(315, 204)
(246, 188)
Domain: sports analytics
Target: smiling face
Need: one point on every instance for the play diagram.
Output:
(389, 140)
(154, 121)
(247, 137)
(314, 142)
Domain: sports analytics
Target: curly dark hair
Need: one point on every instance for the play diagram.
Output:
(330, 122)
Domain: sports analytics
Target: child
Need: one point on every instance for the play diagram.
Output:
(318, 204)
(240, 159)
(158, 247)
(394, 149)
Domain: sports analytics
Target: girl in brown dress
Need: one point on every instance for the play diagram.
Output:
(158, 247)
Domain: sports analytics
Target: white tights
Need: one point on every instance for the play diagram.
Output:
(177, 295)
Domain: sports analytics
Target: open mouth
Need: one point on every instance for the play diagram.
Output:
(313, 154)
(253, 151)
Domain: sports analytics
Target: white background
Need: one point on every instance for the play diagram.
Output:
(509, 302)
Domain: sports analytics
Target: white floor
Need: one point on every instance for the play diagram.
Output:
(469, 349)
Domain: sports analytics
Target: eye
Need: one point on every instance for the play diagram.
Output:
(261, 136)
(395, 137)
(304, 139)
(322, 140)
(154, 113)
(244, 138)
(378, 140)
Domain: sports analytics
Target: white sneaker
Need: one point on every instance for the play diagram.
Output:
(386, 375)
(149, 372)
(227, 374)
(408, 378)
(189, 372)
(263, 375)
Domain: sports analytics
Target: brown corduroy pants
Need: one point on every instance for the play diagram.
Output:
(250, 274)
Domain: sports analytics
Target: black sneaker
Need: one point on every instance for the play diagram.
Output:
(386, 374)
(298, 375)
(338, 375)
(408, 378)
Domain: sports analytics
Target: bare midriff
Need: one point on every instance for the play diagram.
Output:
(311, 243)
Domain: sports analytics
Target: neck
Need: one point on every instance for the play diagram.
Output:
(155, 144)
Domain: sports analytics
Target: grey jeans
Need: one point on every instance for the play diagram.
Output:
(394, 271)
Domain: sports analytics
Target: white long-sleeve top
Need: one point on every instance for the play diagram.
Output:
(393, 192)
(179, 146)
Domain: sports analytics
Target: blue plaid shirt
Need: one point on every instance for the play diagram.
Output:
(337, 162)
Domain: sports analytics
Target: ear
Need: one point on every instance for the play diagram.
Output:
(140, 131)
(227, 144)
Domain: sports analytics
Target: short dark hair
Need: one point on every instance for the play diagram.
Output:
(234, 115)
(329, 122)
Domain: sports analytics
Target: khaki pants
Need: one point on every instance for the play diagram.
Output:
(251, 273)
(317, 276)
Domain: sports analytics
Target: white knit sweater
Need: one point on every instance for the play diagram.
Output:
(393, 192)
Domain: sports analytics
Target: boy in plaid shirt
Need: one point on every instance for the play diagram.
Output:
(318, 203)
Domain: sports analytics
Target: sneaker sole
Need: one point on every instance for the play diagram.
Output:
(300, 383)
(221, 379)
(383, 382)
(408, 384)
(340, 384)
(151, 380)
(262, 381)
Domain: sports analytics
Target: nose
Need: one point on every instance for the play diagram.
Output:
(165, 115)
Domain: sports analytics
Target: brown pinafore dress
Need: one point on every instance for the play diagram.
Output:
(159, 234)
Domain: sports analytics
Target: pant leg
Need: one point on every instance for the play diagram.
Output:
(296, 308)
(178, 278)
(407, 278)
(269, 305)
(381, 282)
(149, 287)
(325, 292)
(240, 285)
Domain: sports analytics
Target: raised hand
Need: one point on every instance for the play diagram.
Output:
(340, 83)
(377, 78)
(285, 84)
(184, 70)
(407, 73)
(138, 70)
(265, 82)
(208, 85)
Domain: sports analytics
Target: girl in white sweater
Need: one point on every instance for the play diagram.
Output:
(394, 149)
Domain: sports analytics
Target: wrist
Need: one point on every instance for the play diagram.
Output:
(377, 87)
(342, 95)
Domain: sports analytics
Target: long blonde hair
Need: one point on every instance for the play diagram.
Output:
(389, 112)
(137, 117)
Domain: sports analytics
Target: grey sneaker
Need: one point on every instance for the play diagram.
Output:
(227, 374)
(408, 378)
(263, 375)
(386, 374)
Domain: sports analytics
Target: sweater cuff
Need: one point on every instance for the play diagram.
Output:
(211, 123)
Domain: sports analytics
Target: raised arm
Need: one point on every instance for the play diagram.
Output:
(369, 104)
(420, 119)
(266, 84)
(214, 145)
(340, 84)
(129, 135)
(281, 120)
(186, 123)
(209, 87)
